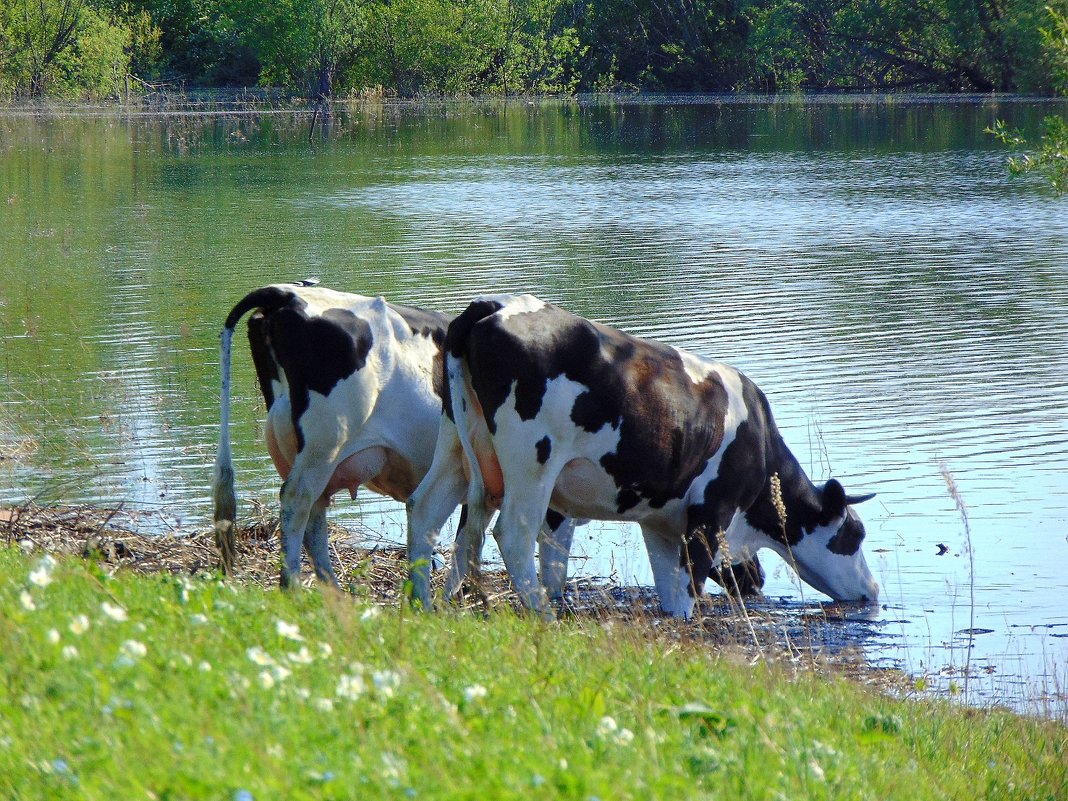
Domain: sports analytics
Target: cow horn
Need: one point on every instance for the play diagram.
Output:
(855, 499)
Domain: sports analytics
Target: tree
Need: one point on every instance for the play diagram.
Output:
(301, 44)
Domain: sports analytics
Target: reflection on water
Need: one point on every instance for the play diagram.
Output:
(901, 301)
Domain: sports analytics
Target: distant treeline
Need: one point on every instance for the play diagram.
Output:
(331, 48)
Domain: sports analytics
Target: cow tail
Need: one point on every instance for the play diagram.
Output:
(222, 490)
(457, 406)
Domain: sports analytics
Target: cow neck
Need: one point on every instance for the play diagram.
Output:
(800, 498)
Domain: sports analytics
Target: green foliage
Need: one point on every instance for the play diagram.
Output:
(171, 687)
(62, 48)
(1050, 158)
(317, 48)
(1055, 47)
(302, 44)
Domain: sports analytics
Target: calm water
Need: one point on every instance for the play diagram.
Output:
(903, 303)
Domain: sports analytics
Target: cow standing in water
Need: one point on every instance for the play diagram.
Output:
(549, 409)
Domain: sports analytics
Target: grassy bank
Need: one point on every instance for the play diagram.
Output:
(160, 687)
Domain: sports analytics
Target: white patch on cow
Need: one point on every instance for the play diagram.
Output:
(511, 305)
(737, 413)
(696, 367)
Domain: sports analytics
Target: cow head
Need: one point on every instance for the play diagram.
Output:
(829, 555)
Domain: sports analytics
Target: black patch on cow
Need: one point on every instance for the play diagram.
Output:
(554, 519)
(587, 414)
(848, 538)
(456, 337)
(544, 447)
(424, 322)
(627, 499)
(262, 357)
(317, 352)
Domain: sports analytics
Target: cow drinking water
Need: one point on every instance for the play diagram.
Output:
(546, 409)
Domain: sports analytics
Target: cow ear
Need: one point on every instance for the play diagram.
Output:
(834, 500)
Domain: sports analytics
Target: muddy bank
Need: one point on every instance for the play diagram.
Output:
(825, 638)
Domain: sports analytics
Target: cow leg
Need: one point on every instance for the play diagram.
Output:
(744, 578)
(467, 550)
(299, 493)
(671, 581)
(437, 495)
(701, 543)
(554, 548)
(517, 529)
(317, 542)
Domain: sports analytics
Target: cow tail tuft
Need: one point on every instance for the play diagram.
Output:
(222, 490)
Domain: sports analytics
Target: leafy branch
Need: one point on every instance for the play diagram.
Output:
(1049, 158)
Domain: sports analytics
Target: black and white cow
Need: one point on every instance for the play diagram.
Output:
(353, 391)
(554, 410)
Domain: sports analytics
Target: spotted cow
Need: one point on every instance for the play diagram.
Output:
(546, 409)
(353, 391)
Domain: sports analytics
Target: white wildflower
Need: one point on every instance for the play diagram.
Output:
(371, 612)
(27, 601)
(301, 657)
(116, 613)
(303, 693)
(386, 682)
(291, 631)
(26, 546)
(198, 619)
(266, 679)
(325, 650)
(259, 656)
(281, 672)
(351, 687)
(607, 727)
(624, 737)
(134, 649)
(69, 652)
(205, 666)
(817, 770)
(53, 636)
(474, 693)
(79, 624)
(323, 704)
(41, 577)
(187, 660)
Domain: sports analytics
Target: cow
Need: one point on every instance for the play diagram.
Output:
(544, 409)
(353, 391)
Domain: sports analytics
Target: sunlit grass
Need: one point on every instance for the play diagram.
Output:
(168, 687)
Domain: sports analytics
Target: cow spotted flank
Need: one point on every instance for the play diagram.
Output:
(546, 409)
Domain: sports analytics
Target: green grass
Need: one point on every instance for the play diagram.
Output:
(390, 704)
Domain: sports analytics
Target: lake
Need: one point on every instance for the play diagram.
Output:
(868, 262)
